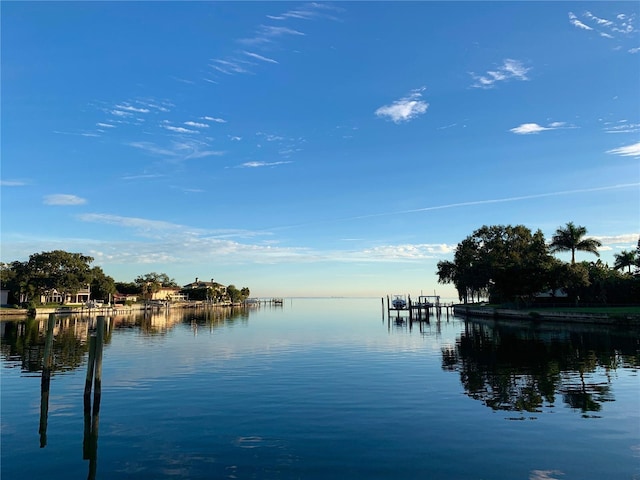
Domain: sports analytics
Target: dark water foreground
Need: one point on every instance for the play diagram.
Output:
(320, 389)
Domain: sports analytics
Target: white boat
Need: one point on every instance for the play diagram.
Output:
(399, 302)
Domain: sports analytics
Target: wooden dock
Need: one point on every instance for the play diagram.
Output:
(264, 301)
(419, 310)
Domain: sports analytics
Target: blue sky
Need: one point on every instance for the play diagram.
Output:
(339, 148)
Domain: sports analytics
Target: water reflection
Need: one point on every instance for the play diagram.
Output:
(45, 383)
(92, 409)
(63, 343)
(525, 368)
(24, 342)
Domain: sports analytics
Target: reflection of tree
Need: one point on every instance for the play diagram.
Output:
(524, 368)
(69, 350)
(23, 342)
(217, 317)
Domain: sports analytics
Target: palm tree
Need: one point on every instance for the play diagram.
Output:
(624, 259)
(571, 238)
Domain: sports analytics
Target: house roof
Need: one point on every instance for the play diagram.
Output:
(203, 284)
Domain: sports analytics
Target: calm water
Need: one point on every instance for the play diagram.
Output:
(322, 389)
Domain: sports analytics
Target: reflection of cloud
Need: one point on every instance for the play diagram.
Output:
(510, 69)
(63, 199)
(628, 151)
(405, 109)
(545, 474)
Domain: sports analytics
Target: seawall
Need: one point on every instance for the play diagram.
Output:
(621, 319)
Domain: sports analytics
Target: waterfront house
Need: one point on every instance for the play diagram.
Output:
(78, 298)
(123, 298)
(218, 288)
(170, 294)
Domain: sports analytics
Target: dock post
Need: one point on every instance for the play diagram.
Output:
(46, 381)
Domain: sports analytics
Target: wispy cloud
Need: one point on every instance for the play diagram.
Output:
(528, 128)
(500, 200)
(140, 224)
(577, 23)
(63, 199)
(404, 109)
(12, 183)
(267, 36)
(308, 12)
(509, 70)
(152, 148)
(404, 252)
(262, 164)
(131, 108)
(196, 124)
(142, 176)
(624, 241)
(620, 27)
(622, 127)
(176, 243)
(178, 129)
(229, 66)
(627, 151)
(269, 33)
(259, 57)
(130, 112)
(214, 119)
(80, 134)
(183, 150)
(161, 229)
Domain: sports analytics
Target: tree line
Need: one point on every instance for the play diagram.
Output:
(69, 273)
(512, 264)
